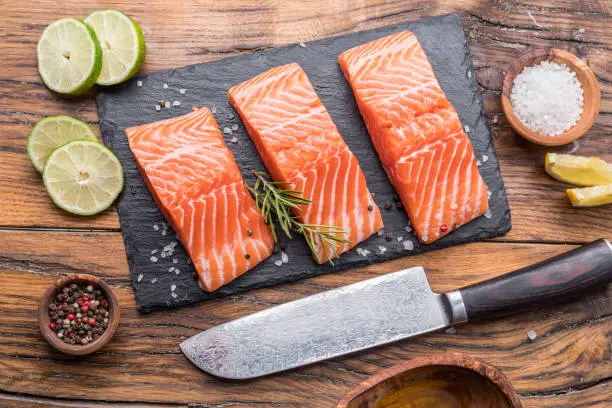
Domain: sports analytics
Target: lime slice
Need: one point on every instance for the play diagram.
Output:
(53, 132)
(122, 42)
(590, 196)
(83, 177)
(578, 170)
(69, 56)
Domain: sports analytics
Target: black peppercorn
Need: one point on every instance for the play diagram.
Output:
(247, 256)
(388, 236)
(370, 207)
(249, 232)
(388, 205)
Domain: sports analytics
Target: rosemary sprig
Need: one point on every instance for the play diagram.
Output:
(276, 203)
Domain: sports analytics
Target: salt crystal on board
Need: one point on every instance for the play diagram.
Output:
(400, 239)
(154, 251)
(214, 110)
(174, 260)
(450, 330)
(485, 158)
(139, 83)
(174, 295)
(227, 131)
(467, 129)
(234, 140)
(154, 280)
(532, 335)
(488, 213)
(469, 74)
(284, 257)
(155, 226)
(408, 228)
(140, 276)
(478, 162)
(177, 271)
(173, 288)
(381, 233)
(231, 116)
(154, 259)
(157, 107)
(171, 269)
(234, 127)
(278, 263)
(382, 249)
(176, 103)
(302, 45)
(182, 91)
(165, 86)
(408, 245)
(167, 104)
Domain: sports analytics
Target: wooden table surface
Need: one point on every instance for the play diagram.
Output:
(569, 364)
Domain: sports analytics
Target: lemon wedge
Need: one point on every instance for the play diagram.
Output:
(590, 196)
(578, 170)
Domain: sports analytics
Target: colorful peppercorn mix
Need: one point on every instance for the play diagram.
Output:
(79, 314)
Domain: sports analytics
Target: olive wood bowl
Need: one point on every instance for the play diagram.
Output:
(440, 381)
(590, 89)
(78, 349)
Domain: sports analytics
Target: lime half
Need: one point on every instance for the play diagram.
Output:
(69, 56)
(53, 132)
(122, 43)
(83, 177)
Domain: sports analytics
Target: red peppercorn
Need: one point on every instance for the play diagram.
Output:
(85, 298)
(443, 228)
(71, 334)
(103, 303)
(59, 307)
(79, 321)
(85, 307)
(80, 301)
(70, 316)
(92, 322)
(52, 326)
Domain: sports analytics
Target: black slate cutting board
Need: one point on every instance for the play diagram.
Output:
(154, 270)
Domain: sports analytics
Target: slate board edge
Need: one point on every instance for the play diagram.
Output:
(503, 227)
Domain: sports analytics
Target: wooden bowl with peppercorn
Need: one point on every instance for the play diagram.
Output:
(78, 314)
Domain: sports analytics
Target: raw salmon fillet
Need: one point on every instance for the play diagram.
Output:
(199, 189)
(417, 134)
(300, 144)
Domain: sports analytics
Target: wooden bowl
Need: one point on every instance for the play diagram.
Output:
(440, 381)
(590, 88)
(74, 349)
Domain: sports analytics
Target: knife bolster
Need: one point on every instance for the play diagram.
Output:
(457, 307)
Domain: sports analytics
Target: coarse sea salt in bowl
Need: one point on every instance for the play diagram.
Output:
(572, 111)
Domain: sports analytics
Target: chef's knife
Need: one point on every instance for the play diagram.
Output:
(385, 309)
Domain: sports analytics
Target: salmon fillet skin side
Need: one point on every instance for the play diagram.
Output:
(198, 188)
(299, 143)
(417, 134)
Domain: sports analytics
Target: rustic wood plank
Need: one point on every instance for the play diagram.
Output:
(176, 36)
(143, 362)
(594, 397)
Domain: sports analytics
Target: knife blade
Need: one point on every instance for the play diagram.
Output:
(382, 310)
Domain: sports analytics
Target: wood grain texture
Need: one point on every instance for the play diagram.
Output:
(143, 361)
(568, 364)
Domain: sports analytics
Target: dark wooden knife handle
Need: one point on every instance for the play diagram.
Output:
(552, 281)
